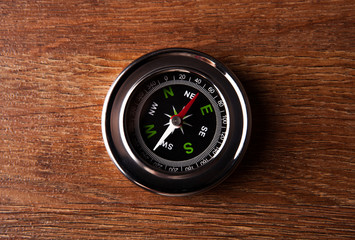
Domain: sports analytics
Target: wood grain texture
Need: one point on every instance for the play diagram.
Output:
(296, 60)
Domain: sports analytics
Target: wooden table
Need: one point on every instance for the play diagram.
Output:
(296, 60)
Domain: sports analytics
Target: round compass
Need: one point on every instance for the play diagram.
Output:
(176, 122)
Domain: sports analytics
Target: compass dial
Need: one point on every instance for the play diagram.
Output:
(176, 122)
(167, 140)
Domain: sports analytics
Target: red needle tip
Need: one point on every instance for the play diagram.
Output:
(183, 112)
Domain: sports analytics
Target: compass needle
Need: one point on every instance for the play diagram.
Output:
(167, 132)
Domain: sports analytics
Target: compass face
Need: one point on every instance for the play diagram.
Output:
(194, 139)
(176, 122)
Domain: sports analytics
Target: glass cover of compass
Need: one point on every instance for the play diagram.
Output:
(176, 122)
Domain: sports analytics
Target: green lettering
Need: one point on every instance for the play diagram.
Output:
(206, 109)
(168, 92)
(188, 148)
(149, 131)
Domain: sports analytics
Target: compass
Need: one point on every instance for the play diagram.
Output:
(176, 122)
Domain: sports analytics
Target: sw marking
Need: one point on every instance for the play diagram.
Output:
(167, 145)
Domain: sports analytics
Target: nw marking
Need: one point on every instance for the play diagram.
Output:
(153, 108)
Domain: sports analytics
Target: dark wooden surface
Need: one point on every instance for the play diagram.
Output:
(296, 60)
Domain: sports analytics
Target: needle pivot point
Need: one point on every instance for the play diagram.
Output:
(176, 121)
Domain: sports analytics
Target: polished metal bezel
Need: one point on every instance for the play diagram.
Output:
(204, 177)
